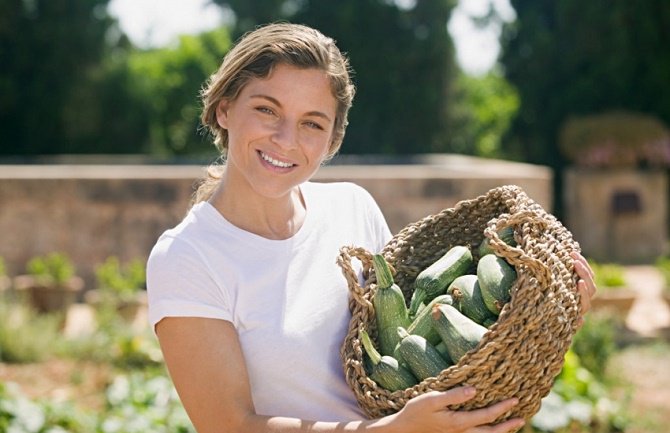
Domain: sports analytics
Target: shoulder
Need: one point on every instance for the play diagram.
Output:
(180, 245)
(339, 191)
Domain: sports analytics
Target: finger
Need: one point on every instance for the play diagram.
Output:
(439, 400)
(508, 426)
(585, 296)
(582, 265)
(490, 413)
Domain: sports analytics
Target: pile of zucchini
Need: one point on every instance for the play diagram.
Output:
(450, 310)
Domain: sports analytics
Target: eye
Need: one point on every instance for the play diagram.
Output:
(265, 110)
(314, 125)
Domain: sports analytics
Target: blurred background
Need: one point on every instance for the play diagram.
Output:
(100, 149)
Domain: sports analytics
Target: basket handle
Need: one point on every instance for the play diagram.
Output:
(531, 220)
(344, 261)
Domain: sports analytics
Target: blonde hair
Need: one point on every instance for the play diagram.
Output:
(254, 56)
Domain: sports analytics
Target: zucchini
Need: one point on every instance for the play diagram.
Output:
(386, 370)
(442, 349)
(390, 307)
(506, 234)
(421, 357)
(435, 279)
(459, 333)
(496, 277)
(423, 324)
(467, 298)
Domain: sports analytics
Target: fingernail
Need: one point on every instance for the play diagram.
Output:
(470, 391)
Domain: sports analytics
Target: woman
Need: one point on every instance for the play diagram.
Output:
(246, 299)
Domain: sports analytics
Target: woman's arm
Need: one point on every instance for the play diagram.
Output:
(206, 364)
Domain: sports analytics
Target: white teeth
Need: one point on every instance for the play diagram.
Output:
(275, 162)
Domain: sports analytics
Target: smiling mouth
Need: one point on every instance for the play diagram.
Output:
(274, 162)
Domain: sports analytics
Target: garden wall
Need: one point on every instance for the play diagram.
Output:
(618, 215)
(93, 211)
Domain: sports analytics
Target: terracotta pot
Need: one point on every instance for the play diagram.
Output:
(619, 300)
(128, 309)
(48, 297)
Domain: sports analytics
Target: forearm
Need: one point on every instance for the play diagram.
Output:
(294, 425)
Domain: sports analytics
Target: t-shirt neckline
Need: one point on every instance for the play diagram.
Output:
(310, 209)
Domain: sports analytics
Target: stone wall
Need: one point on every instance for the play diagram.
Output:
(94, 211)
(618, 215)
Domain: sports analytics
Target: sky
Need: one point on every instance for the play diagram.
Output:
(149, 23)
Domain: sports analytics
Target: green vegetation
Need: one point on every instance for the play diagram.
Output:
(25, 335)
(120, 281)
(663, 266)
(608, 275)
(52, 268)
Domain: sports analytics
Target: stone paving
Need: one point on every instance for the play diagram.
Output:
(650, 314)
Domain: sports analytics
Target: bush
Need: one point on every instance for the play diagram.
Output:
(120, 282)
(54, 267)
(26, 336)
(608, 275)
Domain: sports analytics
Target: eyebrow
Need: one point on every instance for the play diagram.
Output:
(276, 102)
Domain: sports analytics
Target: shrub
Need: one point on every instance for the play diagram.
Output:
(54, 268)
(608, 275)
(26, 336)
(121, 281)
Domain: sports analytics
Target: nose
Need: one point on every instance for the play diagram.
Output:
(285, 134)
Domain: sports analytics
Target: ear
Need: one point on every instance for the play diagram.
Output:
(222, 113)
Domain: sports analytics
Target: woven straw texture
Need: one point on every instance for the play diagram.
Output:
(523, 351)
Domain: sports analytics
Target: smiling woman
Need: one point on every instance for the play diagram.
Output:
(249, 278)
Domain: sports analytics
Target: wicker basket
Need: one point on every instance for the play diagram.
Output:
(523, 351)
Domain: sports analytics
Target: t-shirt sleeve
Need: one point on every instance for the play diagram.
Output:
(180, 285)
(378, 225)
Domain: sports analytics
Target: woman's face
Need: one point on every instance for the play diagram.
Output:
(279, 130)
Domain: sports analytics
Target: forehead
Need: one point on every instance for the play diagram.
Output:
(293, 86)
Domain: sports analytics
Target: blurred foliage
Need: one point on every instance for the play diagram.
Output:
(120, 281)
(27, 336)
(608, 275)
(54, 267)
(571, 57)
(479, 122)
(596, 340)
(49, 50)
(169, 80)
(662, 264)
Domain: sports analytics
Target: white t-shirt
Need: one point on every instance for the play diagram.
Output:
(287, 299)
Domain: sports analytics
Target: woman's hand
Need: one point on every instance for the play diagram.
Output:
(429, 413)
(586, 284)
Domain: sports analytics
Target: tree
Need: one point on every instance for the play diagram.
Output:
(403, 60)
(571, 57)
(168, 80)
(48, 48)
(487, 105)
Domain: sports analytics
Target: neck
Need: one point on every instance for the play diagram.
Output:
(272, 218)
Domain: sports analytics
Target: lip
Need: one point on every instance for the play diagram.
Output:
(262, 156)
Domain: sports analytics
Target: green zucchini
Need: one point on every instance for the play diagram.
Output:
(390, 307)
(467, 298)
(386, 370)
(421, 357)
(435, 279)
(496, 278)
(506, 234)
(459, 333)
(423, 324)
(442, 349)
